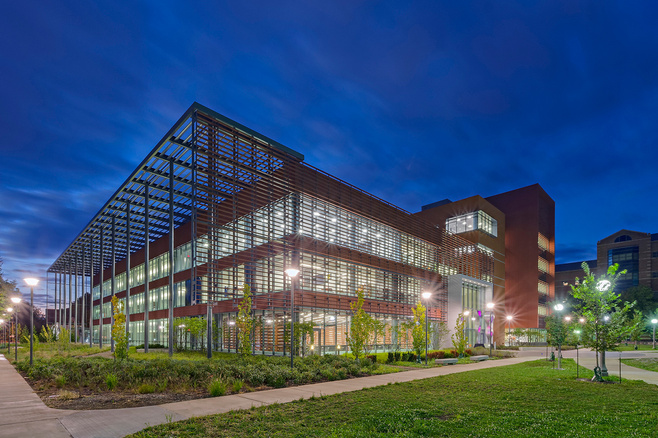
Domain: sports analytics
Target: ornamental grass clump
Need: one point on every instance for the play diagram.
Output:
(217, 388)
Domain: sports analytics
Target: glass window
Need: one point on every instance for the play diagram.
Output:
(478, 220)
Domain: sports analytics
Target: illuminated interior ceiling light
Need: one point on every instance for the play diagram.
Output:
(364, 231)
(333, 230)
(378, 235)
(333, 219)
(315, 213)
(331, 240)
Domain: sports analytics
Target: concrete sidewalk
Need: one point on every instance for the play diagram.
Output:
(587, 359)
(25, 415)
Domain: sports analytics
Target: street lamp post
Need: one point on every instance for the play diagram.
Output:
(559, 308)
(15, 300)
(292, 273)
(426, 297)
(654, 321)
(509, 327)
(490, 306)
(577, 359)
(9, 309)
(31, 282)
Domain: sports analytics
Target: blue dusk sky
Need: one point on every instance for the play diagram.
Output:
(411, 101)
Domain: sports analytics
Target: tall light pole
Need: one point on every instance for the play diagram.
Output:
(292, 273)
(490, 306)
(577, 359)
(15, 300)
(559, 308)
(9, 310)
(31, 282)
(426, 297)
(509, 327)
(654, 321)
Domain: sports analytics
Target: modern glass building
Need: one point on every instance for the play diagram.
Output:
(215, 206)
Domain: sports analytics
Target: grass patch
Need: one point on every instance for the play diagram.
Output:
(631, 347)
(529, 399)
(647, 363)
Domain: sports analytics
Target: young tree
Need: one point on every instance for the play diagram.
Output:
(119, 330)
(643, 298)
(636, 327)
(605, 317)
(245, 322)
(378, 329)
(439, 332)
(558, 332)
(360, 327)
(459, 337)
(418, 333)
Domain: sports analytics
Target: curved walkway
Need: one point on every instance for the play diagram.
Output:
(25, 415)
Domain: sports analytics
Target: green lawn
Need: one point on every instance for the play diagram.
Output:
(649, 364)
(631, 347)
(525, 400)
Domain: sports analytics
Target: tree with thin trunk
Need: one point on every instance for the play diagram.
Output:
(245, 322)
(605, 316)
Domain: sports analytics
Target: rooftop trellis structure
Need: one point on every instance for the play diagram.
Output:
(216, 205)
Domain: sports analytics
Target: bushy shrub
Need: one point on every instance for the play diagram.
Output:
(468, 352)
(454, 353)
(237, 385)
(60, 381)
(217, 388)
(146, 388)
(111, 381)
(372, 358)
(447, 355)
(436, 354)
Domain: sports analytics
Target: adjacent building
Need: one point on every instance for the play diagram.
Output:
(517, 229)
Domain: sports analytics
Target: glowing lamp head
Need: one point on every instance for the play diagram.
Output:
(654, 321)
(559, 307)
(427, 295)
(467, 312)
(603, 285)
(10, 309)
(490, 306)
(509, 317)
(581, 320)
(292, 272)
(32, 281)
(15, 300)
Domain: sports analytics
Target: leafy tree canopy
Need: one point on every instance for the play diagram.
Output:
(643, 297)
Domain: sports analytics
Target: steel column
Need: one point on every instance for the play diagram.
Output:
(147, 264)
(100, 289)
(171, 258)
(114, 279)
(128, 273)
(75, 318)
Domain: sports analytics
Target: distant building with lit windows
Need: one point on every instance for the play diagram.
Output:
(633, 251)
